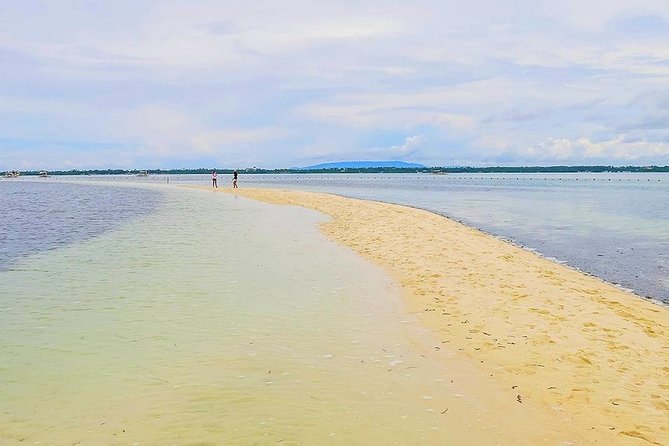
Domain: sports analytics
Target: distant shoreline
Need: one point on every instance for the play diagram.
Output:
(348, 170)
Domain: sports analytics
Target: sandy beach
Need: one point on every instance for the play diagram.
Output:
(568, 350)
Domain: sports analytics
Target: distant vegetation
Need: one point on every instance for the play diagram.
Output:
(497, 169)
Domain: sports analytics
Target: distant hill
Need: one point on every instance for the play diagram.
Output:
(364, 165)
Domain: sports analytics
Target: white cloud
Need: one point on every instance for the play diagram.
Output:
(552, 149)
(564, 150)
(593, 15)
(411, 145)
(620, 149)
(163, 132)
(411, 148)
(494, 144)
(278, 82)
(210, 142)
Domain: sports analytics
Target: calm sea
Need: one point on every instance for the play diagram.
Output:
(165, 315)
(40, 216)
(614, 226)
(161, 315)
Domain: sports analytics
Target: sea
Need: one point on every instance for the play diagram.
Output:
(614, 226)
(135, 312)
(142, 314)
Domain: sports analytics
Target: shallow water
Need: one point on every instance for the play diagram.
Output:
(38, 216)
(614, 226)
(217, 320)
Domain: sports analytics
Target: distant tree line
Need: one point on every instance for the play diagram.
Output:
(495, 169)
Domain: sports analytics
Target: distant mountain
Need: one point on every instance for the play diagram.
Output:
(363, 165)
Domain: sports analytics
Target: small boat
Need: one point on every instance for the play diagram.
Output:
(43, 173)
(143, 173)
(12, 174)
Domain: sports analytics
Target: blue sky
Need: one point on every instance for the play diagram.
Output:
(161, 83)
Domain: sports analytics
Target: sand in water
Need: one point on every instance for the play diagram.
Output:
(580, 356)
(221, 320)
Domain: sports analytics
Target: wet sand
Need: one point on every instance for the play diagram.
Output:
(568, 350)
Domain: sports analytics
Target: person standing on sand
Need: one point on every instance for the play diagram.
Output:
(213, 179)
(234, 179)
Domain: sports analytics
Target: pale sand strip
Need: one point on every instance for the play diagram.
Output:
(581, 348)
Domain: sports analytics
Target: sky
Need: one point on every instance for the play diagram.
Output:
(234, 84)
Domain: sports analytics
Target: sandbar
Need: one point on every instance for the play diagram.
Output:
(583, 351)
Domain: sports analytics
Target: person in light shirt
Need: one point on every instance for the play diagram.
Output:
(213, 179)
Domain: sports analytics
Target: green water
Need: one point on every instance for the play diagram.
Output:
(216, 320)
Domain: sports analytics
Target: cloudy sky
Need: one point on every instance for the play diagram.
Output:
(228, 83)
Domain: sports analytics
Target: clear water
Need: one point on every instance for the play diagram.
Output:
(216, 320)
(39, 216)
(614, 226)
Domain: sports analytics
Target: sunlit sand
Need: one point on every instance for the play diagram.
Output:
(591, 358)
